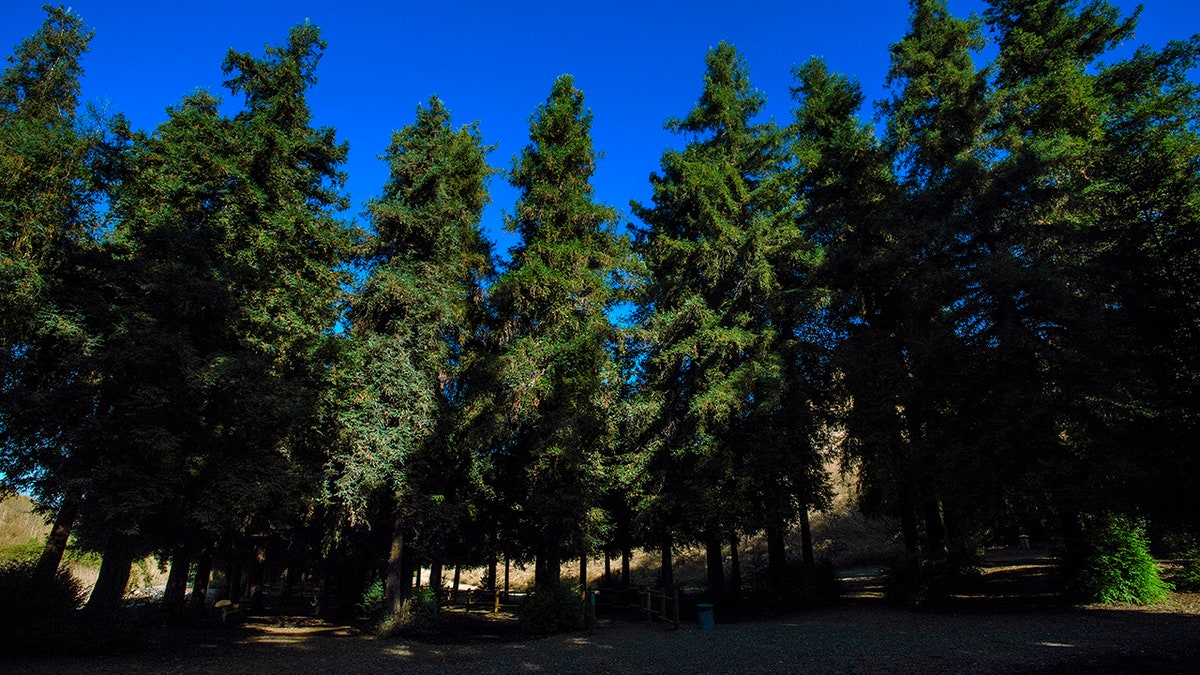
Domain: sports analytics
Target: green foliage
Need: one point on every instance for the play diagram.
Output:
(27, 552)
(31, 550)
(556, 609)
(371, 604)
(1187, 578)
(729, 440)
(398, 387)
(36, 620)
(1113, 564)
(553, 377)
(420, 614)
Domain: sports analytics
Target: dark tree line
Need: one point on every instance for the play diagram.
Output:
(984, 305)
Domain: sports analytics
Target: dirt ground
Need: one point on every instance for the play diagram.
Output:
(1011, 623)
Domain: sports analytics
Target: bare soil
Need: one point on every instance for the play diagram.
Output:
(1012, 622)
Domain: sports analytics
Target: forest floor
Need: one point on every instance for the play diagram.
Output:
(1011, 622)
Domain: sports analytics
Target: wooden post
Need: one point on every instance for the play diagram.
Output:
(496, 604)
(677, 608)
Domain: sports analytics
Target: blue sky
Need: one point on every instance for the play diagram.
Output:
(637, 63)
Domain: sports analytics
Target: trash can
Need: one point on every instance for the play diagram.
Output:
(704, 612)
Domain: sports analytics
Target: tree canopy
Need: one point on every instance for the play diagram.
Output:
(981, 306)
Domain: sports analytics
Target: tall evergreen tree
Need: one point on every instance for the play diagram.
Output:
(1147, 179)
(719, 243)
(413, 331)
(936, 143)
(1050, 359)
(217, 292)
(555, 373)
(48, 189)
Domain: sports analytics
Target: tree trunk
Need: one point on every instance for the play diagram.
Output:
(806, 543)
(491, 572)
(776, 555)
(935, 528)
(435, 579)
(714, 562)
(583, 572)
(113, 577)
(258, 574)
(175, 593)
(735, 566)
(908, 525)
(548, 567)
(287, 593)
(507, 567)
(200, 583)
(666, 574)
(56, 544)
(405, 559)
(233, 580)
(607, 568)
(626, 556)
(454, 586)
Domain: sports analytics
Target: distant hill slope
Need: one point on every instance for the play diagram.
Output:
(19, 523)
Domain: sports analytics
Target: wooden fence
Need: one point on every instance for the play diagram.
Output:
(651, 603)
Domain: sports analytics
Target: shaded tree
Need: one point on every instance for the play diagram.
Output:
(413, 327)
(555, 377)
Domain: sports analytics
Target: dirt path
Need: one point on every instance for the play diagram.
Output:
(1002, 632)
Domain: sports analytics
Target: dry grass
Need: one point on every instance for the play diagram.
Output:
(841, 535)
(19, 524)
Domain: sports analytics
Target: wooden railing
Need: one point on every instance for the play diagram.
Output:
(652, 603)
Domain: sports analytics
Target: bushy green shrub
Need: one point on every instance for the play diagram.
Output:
(371, 604)
(36, 619)
(1113, 564)
(1188, 577)
(552, 610)
(419, 614)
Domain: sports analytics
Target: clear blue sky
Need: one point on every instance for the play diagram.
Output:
(638, 62)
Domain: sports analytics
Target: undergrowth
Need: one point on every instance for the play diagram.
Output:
(555, 609)
(931, 583)
(1113, 564)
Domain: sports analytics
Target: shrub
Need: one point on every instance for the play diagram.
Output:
(1188, 577)
(36, 619)
(555, 609)
(371, 603)
(914, 584)
(29, 551)
(802, 587)
(419, 614)
(1113, 564)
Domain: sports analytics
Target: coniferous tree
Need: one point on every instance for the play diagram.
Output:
(412, 338)
(48, 188)
(1050, 362)
(555, 376)
(218, 289)
(720, 241)
(936, 143)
